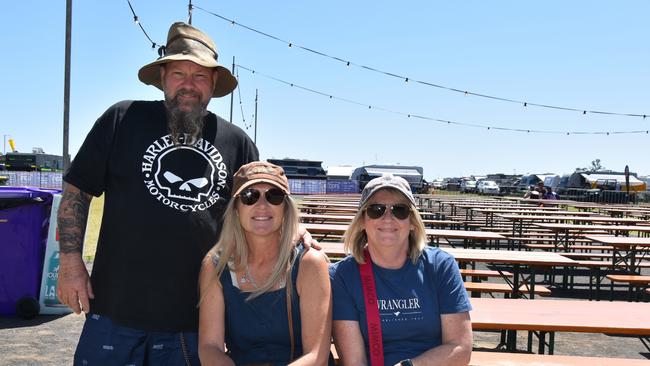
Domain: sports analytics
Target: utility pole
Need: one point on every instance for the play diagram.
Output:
(255, 139)
(189, 13)
(232, 95)
(4, 148)
(66, 84)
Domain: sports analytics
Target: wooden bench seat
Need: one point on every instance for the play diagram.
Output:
(601, 256)
(606, 264)
(637, 285)
(483, 273)
(631, 279)
(544, 238)
(504, 288)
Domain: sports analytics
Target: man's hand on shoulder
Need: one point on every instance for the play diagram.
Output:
(307, 239)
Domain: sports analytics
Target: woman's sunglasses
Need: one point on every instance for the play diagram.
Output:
(250, 196)
(377, 210)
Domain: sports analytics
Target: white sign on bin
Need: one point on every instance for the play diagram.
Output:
(49, 302)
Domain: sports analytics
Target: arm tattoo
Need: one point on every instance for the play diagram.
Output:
(72, 218)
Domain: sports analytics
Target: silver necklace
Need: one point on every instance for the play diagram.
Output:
(247, 278)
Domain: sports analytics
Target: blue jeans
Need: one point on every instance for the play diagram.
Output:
(103, 342)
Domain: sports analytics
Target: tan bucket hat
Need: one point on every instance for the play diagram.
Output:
(186, 43)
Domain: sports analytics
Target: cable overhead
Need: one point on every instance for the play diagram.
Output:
(409, 115)
(136, 20)
(408, 79)
(241, 105)
(438, 120)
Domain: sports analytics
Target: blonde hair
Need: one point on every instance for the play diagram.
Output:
(355, 238)
(231, 251)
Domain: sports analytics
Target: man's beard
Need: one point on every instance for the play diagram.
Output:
(184, 126)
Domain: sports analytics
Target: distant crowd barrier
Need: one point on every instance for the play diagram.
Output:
(604, 196)
(53, 180)
(322, 186)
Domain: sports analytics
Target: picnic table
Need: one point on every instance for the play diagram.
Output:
(640, 212)
(455, 206)
(491, 212)
(628, 251)
(565, 233)
(520, 260)
(324, 218)
(518, 220)
(469, 237)
(550, 316)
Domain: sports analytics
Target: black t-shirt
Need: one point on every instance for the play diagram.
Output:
(163, 205)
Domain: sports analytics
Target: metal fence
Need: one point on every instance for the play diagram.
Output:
(604, 196)
(53, 180)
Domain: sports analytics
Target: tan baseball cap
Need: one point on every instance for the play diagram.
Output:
(259, 172)
(387, 181)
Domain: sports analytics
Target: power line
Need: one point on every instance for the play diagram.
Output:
(241, 105)
(438, 120)
(407, 79)
(136, 20)
(369, 106)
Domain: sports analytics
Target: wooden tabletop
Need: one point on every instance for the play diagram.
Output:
(547, 211)
(325, 228)
(332, 248)
(323, 217)
(479, 206)
(619, 240)
(510, 256)
(328, 204)
(464, 234)
(436, 233)
(524, 359)
(629, 318)
(578, 227)
(599, 219)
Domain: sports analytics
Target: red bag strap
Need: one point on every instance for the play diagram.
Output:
(372, 311)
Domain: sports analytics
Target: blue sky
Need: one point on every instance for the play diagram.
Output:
(582, 54)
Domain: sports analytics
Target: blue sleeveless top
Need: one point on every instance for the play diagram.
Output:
(258, 330)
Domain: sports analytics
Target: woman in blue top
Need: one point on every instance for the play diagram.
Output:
(422, 302)
(265, 298)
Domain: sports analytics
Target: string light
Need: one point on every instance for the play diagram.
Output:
(439, 86)
(241, 105)
(448, 122)
(161, 51)
(136, 20)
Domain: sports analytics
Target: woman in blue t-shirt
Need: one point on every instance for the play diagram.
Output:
(267, 299)
(423, 316)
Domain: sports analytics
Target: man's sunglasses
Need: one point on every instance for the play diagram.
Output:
(377, 210)
(250, 196)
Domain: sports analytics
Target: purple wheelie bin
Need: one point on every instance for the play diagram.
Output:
(24, 223)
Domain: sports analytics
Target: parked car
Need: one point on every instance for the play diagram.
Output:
(452, 184)
(487, 187)
(438, 184)
(468, 186)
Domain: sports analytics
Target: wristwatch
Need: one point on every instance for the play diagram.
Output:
(406, 362)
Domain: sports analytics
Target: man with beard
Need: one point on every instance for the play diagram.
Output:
(165, 169)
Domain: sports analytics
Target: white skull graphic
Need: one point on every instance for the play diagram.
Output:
(185, 173)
